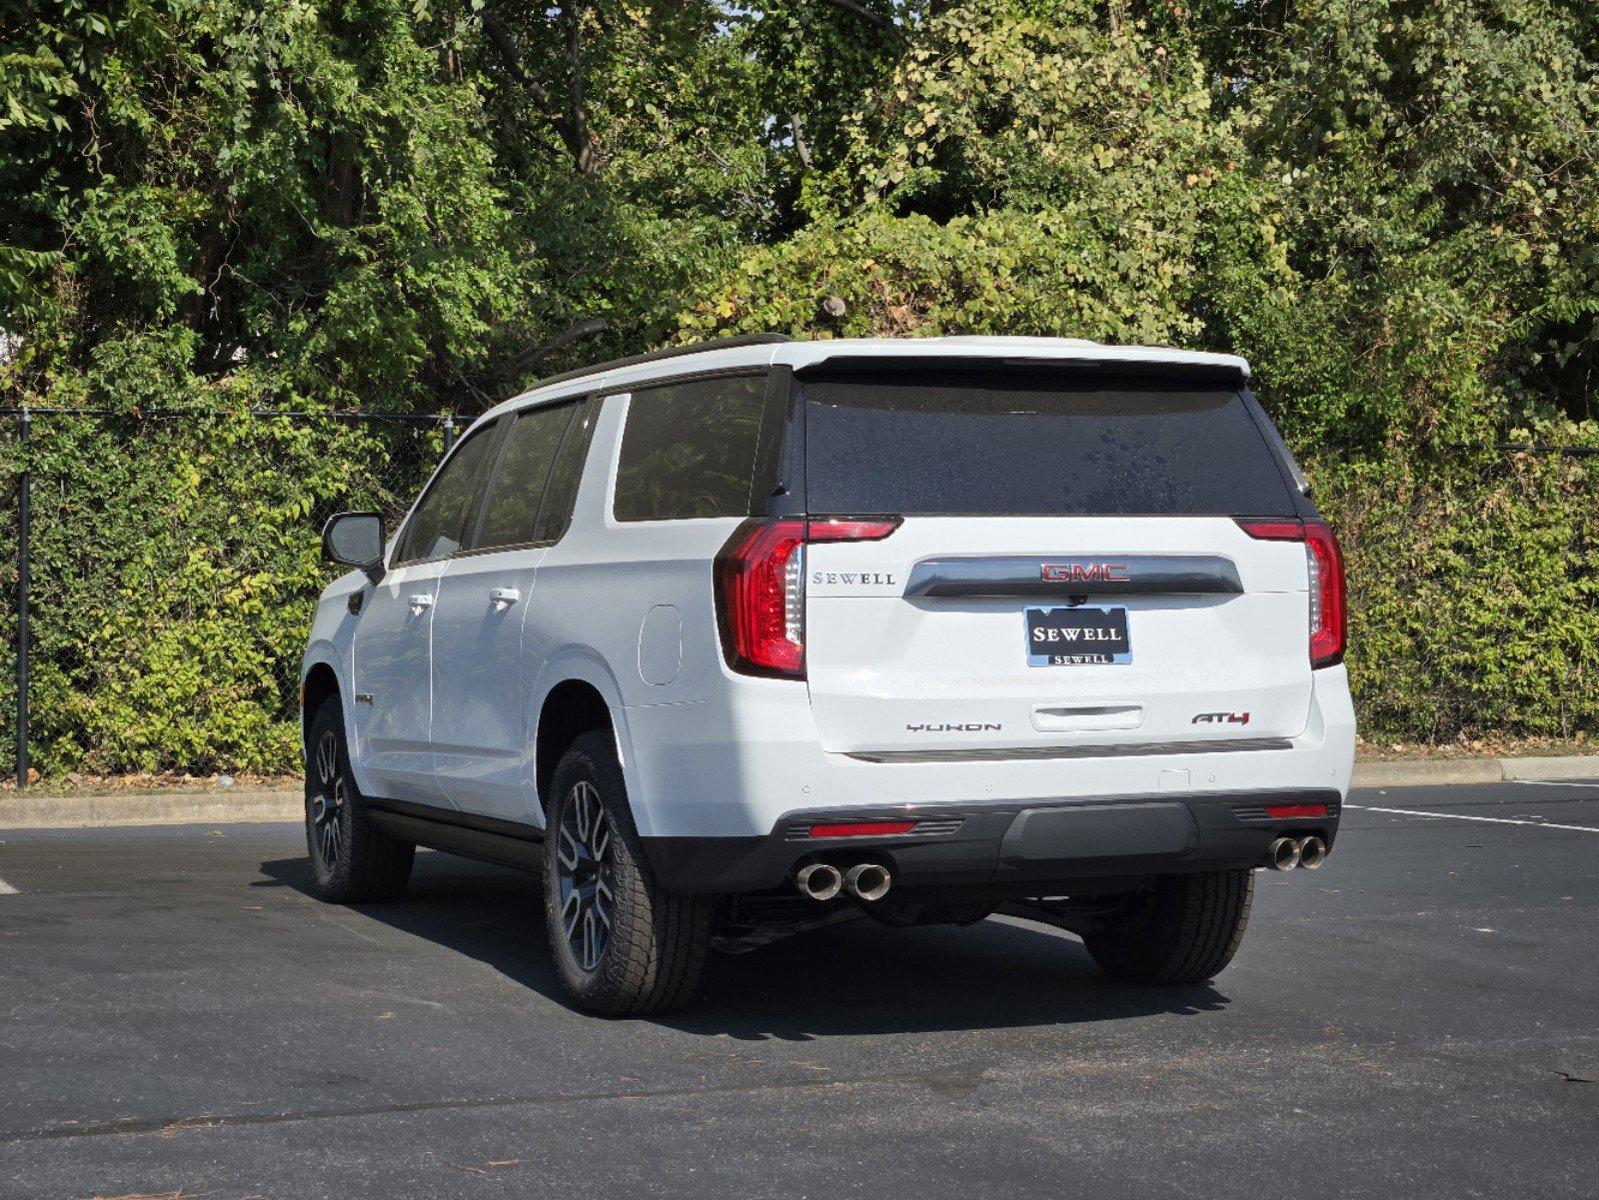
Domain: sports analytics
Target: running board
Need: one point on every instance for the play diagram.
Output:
(504, 843)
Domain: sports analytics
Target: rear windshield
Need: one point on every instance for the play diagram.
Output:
(1034, 442)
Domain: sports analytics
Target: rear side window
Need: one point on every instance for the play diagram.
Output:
(511, 509)
(437, 527)
(1029, 441)
(689, 449)
(555, 514)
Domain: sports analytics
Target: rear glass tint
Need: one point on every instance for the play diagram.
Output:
(1034, 442)
(689, 449)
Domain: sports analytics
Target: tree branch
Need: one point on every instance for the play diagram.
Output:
(503, 44)
(585, 148)
(528, 359)
(867, 14)
(800, 148)
(573, 127)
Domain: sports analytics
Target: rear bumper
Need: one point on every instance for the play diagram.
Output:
(740, 762)
(1075, 842)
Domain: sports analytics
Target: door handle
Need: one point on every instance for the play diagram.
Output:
(420, 602)
(504, 596)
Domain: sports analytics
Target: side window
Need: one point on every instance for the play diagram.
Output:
(555, 514)
(689, 449)
(437, 527)
(511, 511)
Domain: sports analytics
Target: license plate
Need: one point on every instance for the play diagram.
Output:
(1063, 637)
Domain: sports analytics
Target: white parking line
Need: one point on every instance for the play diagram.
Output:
(1587, 783)
(6, 889)
(1412, 812)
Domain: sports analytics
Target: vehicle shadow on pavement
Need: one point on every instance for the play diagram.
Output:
(868, 978)
(857, 978)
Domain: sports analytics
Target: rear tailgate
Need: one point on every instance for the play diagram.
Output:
(1069, 572)
(921, 642)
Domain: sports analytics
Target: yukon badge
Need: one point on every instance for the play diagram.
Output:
(1222, 718)
(959, 727)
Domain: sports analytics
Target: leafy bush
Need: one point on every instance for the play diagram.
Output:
(175, 561)
(1391, 207)
(1474, 592)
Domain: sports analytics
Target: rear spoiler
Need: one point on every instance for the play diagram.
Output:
(1124, 372)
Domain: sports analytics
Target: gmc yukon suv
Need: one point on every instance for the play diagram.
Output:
(764, 635)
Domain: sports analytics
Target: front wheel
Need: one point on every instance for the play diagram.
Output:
(1179, 929)
(352, 861)
(623, 945)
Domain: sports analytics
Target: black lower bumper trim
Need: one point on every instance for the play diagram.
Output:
(1048, 841)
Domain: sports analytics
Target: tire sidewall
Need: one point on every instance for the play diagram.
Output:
(592, 760)
(334, 879)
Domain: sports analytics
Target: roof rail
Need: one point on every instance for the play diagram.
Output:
(727, 343)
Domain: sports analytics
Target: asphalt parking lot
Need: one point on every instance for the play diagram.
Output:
(1418, 1018)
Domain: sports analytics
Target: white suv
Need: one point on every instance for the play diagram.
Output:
(771, 634)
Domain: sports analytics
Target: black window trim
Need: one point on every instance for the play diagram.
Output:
(765, 467)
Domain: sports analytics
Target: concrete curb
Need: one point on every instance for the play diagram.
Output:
(150, 808)
(1475, 770)
(242, 806)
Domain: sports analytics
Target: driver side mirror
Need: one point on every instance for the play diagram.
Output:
(355, 539)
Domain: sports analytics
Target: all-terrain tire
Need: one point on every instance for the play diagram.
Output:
(1182, 929)
(352, 860)
(654, 943)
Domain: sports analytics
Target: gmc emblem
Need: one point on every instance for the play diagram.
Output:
(1076, 572)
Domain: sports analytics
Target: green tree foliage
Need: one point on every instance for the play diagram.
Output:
(1026, 168)
(1441, 179)
(1390, 206)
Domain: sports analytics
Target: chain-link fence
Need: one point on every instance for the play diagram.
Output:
(159, 572)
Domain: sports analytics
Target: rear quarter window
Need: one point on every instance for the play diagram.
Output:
(689, 449)
(1034, 442)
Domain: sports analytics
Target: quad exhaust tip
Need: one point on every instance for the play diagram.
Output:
(1283, 854)
(868, 881)
(819, 881)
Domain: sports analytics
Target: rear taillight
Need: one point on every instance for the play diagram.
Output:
(760, 588)
(1325, 562)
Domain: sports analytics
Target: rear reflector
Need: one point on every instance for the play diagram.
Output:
(1280, 811)
(862, 829)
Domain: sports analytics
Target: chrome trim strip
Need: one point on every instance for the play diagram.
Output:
(1075, 575)
(1003, 753)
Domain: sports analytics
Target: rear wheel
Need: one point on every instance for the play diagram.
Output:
(1179, 929)
(623, 945)
(352, 861)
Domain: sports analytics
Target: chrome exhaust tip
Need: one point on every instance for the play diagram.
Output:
(1312, 853)
(868, 881)
(819, 881)
(1283, 854)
